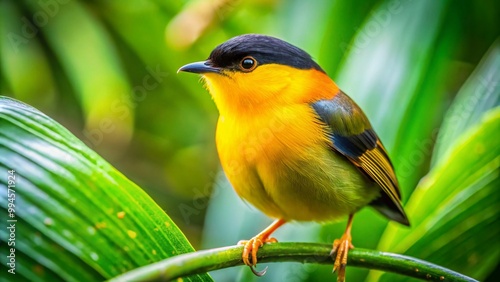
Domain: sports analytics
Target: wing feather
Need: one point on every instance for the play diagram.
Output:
(353, 137)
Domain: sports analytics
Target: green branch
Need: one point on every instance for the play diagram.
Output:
(213, 259)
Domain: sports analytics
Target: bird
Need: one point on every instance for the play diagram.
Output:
(292, 143)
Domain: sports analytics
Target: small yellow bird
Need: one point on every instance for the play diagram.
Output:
(292, 143)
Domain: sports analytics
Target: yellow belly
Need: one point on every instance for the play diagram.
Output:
(280, 162)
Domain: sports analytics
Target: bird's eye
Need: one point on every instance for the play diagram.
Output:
(248, 64)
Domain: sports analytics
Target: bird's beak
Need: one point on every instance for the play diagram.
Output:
(200, 67)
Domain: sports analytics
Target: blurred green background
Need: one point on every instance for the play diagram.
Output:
(106, 70)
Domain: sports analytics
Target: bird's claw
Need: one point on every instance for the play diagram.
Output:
(339, 252)
(258, 273)
(250, 248)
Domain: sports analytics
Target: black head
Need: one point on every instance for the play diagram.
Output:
(265, 50)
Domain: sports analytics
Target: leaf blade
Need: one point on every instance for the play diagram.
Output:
(77, 202)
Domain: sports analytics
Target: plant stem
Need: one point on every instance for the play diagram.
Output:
(213, 259)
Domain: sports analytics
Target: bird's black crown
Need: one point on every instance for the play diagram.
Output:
(265, 49)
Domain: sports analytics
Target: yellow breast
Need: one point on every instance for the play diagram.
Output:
(280, 162)
(275, 151)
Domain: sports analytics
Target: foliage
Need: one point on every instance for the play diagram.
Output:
(73, 216)
(106, 71)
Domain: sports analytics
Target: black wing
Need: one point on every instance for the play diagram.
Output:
(353, 137)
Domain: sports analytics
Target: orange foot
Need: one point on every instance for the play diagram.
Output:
(252, 246)
(340, 249)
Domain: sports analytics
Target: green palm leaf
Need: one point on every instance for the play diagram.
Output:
(78, 218)
(454, 209)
